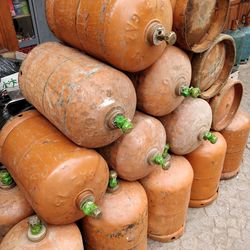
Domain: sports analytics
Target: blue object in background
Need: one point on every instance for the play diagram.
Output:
(239, 38)
(246, 46)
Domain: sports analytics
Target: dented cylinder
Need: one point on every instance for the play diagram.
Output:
(134, 155)
(124, 221)
(58, 179)
(82, 97)
(130, 35)
(162, 87)
(188, 125)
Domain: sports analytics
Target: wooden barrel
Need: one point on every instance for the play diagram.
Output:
(197, 23)
(128, 34)
(212, 68)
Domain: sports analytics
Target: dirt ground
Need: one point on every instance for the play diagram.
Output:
(226, 223)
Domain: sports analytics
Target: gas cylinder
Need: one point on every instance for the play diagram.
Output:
(135, 155)
(173, 3)
(124, 220)
(85, 99)
(236, 135)
(61, 181)
(162, 87)
(188, 125)
(239, 38)
(212, 68)
(130, 35)
(168, 197)
(197, 23)
(246, 46)
(207, 162)
(225, 104)
(14, 207)
(31, 233)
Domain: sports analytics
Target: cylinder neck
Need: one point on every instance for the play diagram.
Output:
(113, 182)
(89, 208)
(160, 159)
(117, 120)
(184, 90)
(156, 34)
(37, 230)
(6, 181)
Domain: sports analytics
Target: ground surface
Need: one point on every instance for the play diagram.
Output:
(226, 223)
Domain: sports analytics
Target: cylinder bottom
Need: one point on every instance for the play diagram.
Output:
(167, 238)
(203, 203)
(230, 175)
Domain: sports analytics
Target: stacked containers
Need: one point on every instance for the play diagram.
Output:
(93, 105)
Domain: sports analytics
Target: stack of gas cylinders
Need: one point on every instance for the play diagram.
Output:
(124, 130)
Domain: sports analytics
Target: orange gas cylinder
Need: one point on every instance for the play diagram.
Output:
(13, 206)
(207, 162)
(85, 99)
(173, 3)
(162, 87)
(212, 68)
(33, 234)
(188, 125)
(236, 135)
(124, 220)
(137, 154)
(60, 180)
(225, 104)
(197, 23)
(168, 197)
(129, 34)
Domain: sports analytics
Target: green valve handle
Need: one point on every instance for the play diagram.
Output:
(165, 151)
(193, 92)
(113, 182)
(35, 224)
(90, 209)
(6, 178)
(161, 160)
(210, 137)
(123, 123)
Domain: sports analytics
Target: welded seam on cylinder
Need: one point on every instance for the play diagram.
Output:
(48, 80)
(30, 148)
(75, 26)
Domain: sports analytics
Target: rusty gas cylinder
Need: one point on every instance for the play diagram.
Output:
(188, 125)
(129, 35)
(173, 3)
(168, 197)
(236, 135)
(197, 23)
(31, 233)
(212, 68)
(225, 104)
(162, 87)
(207, 162)
(13, 206)
(60, 180)
(85, 99)
(124, 221)
(135, 155)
